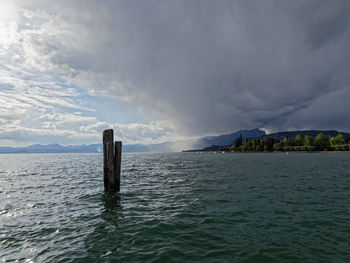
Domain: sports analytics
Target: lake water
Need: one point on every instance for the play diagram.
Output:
(178, 207)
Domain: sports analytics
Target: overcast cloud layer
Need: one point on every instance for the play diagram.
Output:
(197, 67)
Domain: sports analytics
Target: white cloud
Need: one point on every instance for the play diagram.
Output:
(130, 133)
(203, 66)
(40, 44)
(156, 131)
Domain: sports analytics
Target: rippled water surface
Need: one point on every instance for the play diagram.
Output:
(182, 207)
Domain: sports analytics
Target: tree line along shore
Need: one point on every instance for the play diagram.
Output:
(299, 143)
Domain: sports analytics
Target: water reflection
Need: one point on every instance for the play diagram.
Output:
(103, 241)
(111, 202)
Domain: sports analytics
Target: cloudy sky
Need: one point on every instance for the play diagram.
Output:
(163, 70)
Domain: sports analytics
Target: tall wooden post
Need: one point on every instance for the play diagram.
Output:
(111, 162)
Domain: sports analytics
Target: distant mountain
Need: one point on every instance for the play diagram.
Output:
(203, 142)
(91, 148)
(213, 148)
(159, 147)
(312, 133)
(226, 139)
(277, 135)
(209, 143)
(53, 148)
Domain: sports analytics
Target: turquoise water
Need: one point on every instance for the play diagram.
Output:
(180, 207)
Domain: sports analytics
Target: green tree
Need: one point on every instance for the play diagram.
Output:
(308, 141)
(246, 143)
(339, 139)
(278, 146)
(332, 142)
(262, 144)
(259, 144)
(299, 140)
(321, 142)
(287, 141)
(238, 141)
(253, 145)
(269, 144)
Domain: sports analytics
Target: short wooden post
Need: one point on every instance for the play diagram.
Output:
(117, 163)
(111, 162)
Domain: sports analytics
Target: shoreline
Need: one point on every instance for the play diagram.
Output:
(287, 152)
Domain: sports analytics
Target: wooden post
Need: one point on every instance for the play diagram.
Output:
(117, 163)
(111, 162)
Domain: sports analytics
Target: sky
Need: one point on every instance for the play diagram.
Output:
(158, 71)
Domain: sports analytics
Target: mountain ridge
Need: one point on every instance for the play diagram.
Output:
(277, 135)
(209, 142)
(226, 139)
(313, 133)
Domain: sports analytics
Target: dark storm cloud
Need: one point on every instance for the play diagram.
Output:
(217, 66)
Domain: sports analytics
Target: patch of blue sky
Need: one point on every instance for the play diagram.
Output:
(110, 110)
(5, 87)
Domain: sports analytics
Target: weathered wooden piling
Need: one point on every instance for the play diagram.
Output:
(117, 163)
(111, 162)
